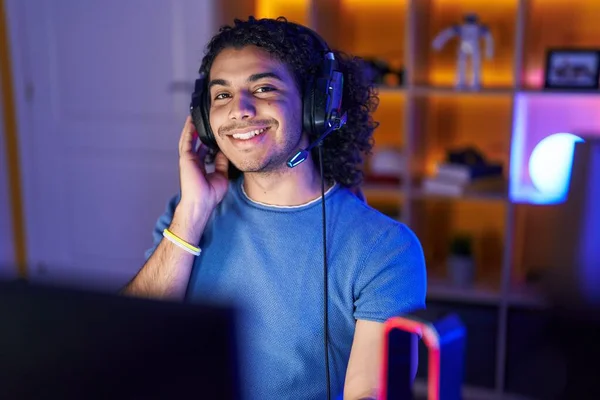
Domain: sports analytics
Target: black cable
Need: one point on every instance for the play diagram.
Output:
(325, 294)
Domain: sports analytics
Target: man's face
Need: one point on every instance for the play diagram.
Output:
(256, 109)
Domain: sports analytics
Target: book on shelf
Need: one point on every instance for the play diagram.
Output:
(464, 174)
(383, 180)
(459, 180)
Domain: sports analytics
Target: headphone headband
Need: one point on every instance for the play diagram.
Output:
(311, 32)
(314, 34)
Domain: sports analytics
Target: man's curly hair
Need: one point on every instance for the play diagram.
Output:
(344, 149)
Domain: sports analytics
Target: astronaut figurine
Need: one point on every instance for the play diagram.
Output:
(470, 33)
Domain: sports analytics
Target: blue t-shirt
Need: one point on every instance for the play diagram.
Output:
(268, 261)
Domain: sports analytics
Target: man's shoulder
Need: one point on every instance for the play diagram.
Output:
(358, 212)
(390, 278)
(370, 226)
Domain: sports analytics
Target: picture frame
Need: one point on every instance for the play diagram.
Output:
(572, 69)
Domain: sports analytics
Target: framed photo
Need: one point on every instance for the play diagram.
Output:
(576, 69)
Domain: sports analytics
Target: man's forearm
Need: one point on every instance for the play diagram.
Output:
(167, 272)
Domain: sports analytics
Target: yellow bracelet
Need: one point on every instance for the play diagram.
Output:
(176, 240)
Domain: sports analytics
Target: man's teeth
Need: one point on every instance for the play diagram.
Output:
(248, 135)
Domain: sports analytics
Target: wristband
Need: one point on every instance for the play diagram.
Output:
(176, 240)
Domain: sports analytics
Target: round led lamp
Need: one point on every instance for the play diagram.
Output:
(551, 162)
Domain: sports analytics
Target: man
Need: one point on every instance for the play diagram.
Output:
(258, 222)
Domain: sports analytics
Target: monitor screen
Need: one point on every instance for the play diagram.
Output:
(64, 343)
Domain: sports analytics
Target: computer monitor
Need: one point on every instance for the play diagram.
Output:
(71, 344)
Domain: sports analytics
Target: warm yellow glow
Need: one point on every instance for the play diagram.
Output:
(374, 28)
(462, 121)
(499, 16)
(479, 217)
(477, 5)
(390, 115)
(557, 24)
(370, 3)
(9, 126)
(489, 77)
(294, 10)
(438, 221)
(486, 221)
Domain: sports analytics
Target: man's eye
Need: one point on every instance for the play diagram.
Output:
(265, 89)
(221, 96)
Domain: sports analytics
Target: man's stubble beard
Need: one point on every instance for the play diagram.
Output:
(275, 163)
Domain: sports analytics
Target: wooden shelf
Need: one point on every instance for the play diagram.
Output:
(453, 91)
(394, 192)
(388, 193)
(421, 91)
(555, 24)
(526, 297)
(383, 189)
(483, 294)
(427, 116)
(387, 89)
(438, 67)
(420, 194)
(559, 93)
(476, 294)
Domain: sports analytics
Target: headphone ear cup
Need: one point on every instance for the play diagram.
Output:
(202, 123)
(198, 123)
(315, 109)
(308, 110)
(200, 116)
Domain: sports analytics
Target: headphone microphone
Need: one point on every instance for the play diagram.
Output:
(328, 89)
(335, 124)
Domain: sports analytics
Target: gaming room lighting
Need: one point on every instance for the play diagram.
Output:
(550, 164)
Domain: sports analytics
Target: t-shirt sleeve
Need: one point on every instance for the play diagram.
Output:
(163, 222)
(393, 280)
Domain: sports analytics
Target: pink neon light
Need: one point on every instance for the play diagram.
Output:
(430, 339)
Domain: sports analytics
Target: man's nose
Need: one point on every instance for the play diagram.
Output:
(242, 107)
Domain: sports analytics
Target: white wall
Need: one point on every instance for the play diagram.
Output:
(102, 88)
(7, 255)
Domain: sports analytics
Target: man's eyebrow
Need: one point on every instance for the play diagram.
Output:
(219, 82)
(251, 78)
(263, 75)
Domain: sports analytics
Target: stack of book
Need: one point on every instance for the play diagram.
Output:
(454, 179)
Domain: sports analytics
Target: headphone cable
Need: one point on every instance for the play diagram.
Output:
(325, 293)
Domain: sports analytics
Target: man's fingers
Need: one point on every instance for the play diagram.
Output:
(202, 152)
(188, 137)
(201, 156)
(222, 164)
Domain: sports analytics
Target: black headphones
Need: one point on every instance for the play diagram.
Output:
(322, 100)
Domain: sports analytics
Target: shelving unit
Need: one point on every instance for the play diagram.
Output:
(426, 115)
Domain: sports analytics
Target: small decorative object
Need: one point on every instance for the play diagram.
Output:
(573, 69)
(388, 161)
(465, 171)
(380, 72)
(473, 158)
(386, 166)
(469, 33)
(461, 264)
